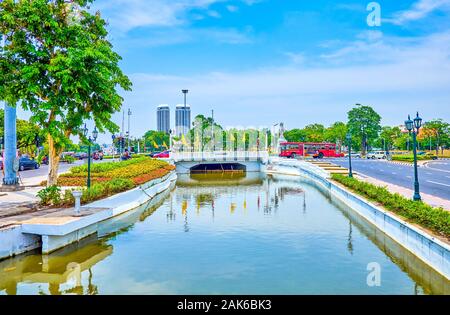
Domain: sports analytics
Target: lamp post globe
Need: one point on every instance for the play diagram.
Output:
(85, 130)
(418, 122)
(409, 124)
(95, 134)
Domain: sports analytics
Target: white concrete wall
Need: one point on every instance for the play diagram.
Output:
(21, 238)
(14, 242)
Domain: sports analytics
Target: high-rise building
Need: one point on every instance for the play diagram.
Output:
(182, 119)
(163, 118)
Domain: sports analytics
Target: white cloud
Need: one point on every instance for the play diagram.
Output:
(419, 10)
(297, 58)
(214, 14)
(175, 36)
(396, 77)
(125, 15)
(232, 8)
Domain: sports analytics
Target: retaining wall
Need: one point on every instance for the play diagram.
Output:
(429, 249)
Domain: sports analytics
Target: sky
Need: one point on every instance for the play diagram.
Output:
(260, 62)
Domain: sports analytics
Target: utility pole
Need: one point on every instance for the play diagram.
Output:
(129, 114)
(212, 130)
(122, 132)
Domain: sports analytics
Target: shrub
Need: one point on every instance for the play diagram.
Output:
(50, 196)
(410, 158)
(435, 219)
(107, 179)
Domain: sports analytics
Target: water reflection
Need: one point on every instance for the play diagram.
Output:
(61, 269)
(265, 236)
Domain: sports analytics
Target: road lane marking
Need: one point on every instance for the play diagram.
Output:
(429, 181)
(394, 173)
(409, 177)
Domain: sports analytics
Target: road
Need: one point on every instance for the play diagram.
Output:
(43, 170)
(434, 179)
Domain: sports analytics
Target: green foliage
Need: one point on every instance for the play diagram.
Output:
(295, 135)
(58, 62)
(68, 158)
(364, 124)
(436, 130)
(388, 137)
(435, 219)
(410, 158)
(336, 133)
(152, 137)
(50, 196)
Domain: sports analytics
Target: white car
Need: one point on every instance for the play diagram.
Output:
(381, 155)
(354, 155)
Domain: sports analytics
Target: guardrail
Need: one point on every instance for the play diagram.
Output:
(219, 156)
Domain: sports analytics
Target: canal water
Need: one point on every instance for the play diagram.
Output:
(229, 234)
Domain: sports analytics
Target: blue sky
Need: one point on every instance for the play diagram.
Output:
(258, 62)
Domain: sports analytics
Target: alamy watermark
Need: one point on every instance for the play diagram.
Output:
(374, 17)
(374, 277)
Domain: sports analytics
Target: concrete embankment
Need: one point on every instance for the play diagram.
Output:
(58, 229)
(432, 251)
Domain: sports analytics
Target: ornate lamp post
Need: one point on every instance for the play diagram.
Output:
(414, 127)
(349, 142)
(90, 140)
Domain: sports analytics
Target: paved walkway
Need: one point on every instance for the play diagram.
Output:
(408, 193)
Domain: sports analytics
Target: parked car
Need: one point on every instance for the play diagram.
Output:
(1, 163)
(80, 155)
(354, 155)
(25, 163)
(377, 155)
(153, 153)
(162, 155)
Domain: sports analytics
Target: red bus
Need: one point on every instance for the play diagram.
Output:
(316, 150)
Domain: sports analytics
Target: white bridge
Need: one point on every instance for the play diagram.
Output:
(219, 156)
(249, 161)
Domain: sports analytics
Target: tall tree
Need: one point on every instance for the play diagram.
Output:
(389, 136)
(295, 135)
(336, 133)
(315, 133)
(364, 123)
(58, 63)
(156, 139)
(438, 130)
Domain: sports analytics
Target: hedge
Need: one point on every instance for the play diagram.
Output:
(410, 158)
(106, 179)
(435, 219)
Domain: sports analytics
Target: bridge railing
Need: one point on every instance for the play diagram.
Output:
(220, 156)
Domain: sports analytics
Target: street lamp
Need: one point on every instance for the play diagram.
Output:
(128, 132)
(349, 143)
(414, 127)
(90, 141)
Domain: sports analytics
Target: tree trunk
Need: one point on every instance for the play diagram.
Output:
(53, 158)
(437, 144)
(363, 146)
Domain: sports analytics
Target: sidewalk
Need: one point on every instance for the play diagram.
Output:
(408, 193)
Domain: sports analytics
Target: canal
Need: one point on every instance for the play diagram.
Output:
(229, 234)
